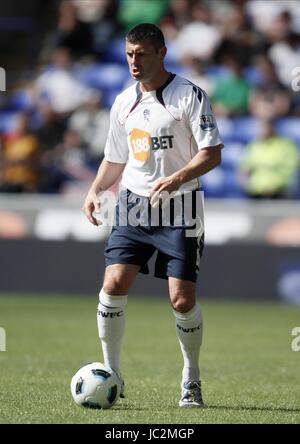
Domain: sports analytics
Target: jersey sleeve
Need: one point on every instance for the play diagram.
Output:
(116, 148)
(202, 120)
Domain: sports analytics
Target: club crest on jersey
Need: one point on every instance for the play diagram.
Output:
(207, 122)
(146, 114)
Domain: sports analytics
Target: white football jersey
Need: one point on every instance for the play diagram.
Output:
(157, 133)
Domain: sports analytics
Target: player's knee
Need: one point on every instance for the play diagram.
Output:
(115, 287)
(183, 304)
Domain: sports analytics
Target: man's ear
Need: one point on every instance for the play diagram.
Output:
(162, 52)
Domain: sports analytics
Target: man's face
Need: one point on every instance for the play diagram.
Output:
(144, 60)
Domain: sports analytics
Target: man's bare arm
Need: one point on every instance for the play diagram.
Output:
(107, 175)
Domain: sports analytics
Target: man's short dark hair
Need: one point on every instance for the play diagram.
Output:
(146, 31)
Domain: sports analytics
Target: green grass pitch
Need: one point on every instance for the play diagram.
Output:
(250, 373)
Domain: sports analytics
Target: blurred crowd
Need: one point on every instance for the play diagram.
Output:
(244, 53)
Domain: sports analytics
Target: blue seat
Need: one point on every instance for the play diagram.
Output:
(213, 183)
(289, 127)
(172, 53)
(226, 128)
(175, 68)
(7, 121)
(253, 76)
(20, 101)
(233, 186)
(109, 97)
(103, 76)
(115, 52)
(217, 71)
(246, 129)
(232, 154)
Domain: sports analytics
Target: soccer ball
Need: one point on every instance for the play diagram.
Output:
(95, 386)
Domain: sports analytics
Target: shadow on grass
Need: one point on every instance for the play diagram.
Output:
(129, 406)
(254, 408)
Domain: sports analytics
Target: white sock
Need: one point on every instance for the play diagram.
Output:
(189, 333)
(111, 327)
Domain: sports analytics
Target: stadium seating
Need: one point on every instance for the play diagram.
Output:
(19, 101)
(104, 76)
(289, 127)
(246, 129)
(7, 121)
(253, 76)
(114, 52)
(213, 183)
(109, 78)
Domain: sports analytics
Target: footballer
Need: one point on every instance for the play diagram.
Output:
(163, 136)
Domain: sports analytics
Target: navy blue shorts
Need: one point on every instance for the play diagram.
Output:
(178, 255)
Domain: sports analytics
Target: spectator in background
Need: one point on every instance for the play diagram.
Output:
(132, 12)
(51, 129)
(231, 95)
(237, 33)
(100, 15)
(19, 160)
(280, 28)
(178, 14)
(269, 99)
(199, 38)
(58, 86)
(66, 164)
(264, 14)
(270, 165)
(71, 32)
(91, 122)
(285, 55)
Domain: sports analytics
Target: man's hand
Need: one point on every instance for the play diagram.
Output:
(91, 205)
(205, 160)
(163, 186)
(108, 174)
